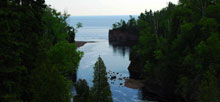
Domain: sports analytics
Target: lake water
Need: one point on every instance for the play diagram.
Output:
(95, 28)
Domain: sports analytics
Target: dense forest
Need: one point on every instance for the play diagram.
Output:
(179, 49)
(38, 53)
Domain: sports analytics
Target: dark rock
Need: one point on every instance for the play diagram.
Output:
(120, 79)
(113, 78)
(136, 67)
(122, 38)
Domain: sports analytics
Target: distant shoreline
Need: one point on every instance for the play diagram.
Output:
(82, 43)
(102, 15)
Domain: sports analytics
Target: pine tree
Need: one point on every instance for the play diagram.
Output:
(101, 88)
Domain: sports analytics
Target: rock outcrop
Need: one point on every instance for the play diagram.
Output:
(136, 67)
(122, 38)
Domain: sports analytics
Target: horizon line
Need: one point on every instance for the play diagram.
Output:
(105, 15)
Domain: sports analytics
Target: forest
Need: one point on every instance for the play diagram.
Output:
(179, 49)
(33, 66)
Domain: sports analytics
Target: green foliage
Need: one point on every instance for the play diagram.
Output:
(101, 89)
(213, 11)
(49, 86)
(79, 25)
(208, 89)
(35, 40)
(183, 85)
(180, 43)
(208, 52)
(82, 90)
(64, 57)
(147, 67)
(131, 25)
(158, 54)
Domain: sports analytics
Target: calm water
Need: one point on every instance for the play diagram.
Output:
(95, 28)
(116, 59)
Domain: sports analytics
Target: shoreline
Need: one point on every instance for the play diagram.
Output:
(134, 84)
(82, 43)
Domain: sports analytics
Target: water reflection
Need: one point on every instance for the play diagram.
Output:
(122, 50)
(116, 60)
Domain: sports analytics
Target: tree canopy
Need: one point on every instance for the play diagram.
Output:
(38, 53)
(180, 46)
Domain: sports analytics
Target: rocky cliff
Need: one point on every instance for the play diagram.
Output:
(122, 38)
(136, 67)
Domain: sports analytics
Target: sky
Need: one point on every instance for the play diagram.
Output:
(107, 7)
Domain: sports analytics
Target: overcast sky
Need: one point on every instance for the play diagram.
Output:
(107, 7)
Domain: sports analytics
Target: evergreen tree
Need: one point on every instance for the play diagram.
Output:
(82, 90)
(101, 89)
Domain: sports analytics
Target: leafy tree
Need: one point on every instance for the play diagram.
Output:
(66, 63)
(31, 34)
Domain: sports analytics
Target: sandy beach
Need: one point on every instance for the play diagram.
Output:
(81, 43)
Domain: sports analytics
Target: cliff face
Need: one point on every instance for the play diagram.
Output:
(122, 38)
(136, 67)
